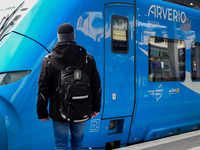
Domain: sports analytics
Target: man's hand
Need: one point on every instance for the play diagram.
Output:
(45, 119)
(94, 114)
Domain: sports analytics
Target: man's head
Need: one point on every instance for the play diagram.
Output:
(65, 32)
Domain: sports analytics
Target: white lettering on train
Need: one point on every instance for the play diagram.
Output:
(167, 13)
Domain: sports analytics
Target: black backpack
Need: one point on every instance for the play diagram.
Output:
(74, 90)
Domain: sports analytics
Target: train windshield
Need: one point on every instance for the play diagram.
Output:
(10, 15)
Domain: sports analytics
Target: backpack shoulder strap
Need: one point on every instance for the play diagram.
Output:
(82, 58)
(54, 62)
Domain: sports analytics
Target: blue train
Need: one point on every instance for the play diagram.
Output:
(147, 54)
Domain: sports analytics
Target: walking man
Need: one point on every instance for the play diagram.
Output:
(66, 53)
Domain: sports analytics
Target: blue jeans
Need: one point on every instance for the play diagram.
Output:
(62, 132)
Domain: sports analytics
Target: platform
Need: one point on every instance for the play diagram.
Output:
(185, 141)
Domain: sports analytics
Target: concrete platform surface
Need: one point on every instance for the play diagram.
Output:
(185, 141)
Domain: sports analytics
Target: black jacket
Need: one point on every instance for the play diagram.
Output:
(67, 54)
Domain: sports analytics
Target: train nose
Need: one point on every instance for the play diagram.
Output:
(10, 123)
(3, 134)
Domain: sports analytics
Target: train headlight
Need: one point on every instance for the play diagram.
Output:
(11, 77)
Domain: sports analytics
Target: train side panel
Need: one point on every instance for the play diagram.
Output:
(164, 107)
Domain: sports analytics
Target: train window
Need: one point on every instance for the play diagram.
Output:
(166, 59)
(195, 4)
(195, 58)
(119, 34)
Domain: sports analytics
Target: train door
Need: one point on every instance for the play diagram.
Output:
(119, 61)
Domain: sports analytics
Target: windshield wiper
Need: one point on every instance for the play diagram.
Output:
(6, 24)
(4, 18)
